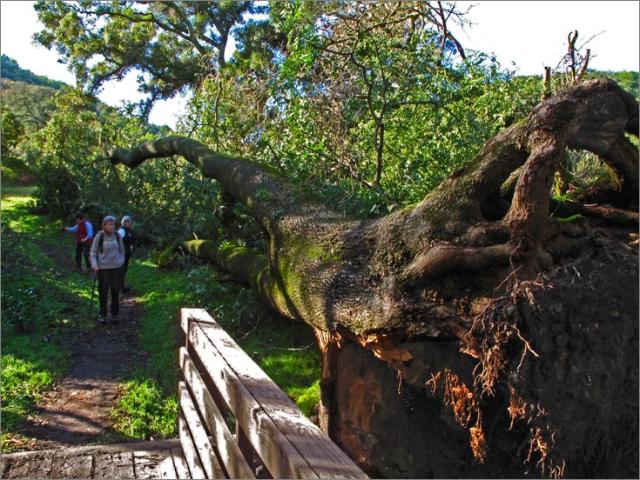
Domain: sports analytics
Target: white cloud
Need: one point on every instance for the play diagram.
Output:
(166, 112)
(18, 23)
(533, 34)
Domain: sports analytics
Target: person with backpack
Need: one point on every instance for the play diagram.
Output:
(84, 237)
(107, 259)
(127, 241)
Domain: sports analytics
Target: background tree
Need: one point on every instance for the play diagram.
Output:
(11, 133)
(172, 45)
(306, 108)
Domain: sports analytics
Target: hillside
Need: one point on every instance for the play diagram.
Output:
(9, 69)
(30, 97)
(32, 104)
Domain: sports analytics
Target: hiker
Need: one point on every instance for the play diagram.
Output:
(127, 241)
(84, 237)
(107, 259)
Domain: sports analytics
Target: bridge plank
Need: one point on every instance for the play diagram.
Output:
(147, 463)
(234, 462)
(34, 467)
(65, 466)
(167, 469)
(180, 464)
(289, 444)
(113, 465)
(189, 449)
(128, 460)
(277, 453)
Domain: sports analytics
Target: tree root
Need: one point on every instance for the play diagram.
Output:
(444, 258)
(611, 215)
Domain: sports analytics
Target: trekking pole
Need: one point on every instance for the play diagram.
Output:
(93, 293)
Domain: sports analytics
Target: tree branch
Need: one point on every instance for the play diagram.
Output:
(269, 198)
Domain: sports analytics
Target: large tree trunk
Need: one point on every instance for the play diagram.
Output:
(454, 332)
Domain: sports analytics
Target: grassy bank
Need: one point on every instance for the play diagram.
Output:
(42, 305)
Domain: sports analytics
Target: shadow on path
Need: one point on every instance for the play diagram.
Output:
(77, 410)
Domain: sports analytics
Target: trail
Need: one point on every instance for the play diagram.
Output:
(77, 410)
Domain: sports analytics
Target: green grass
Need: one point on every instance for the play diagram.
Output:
(31, 369)
(17, 190)
(41, 307)
(145, 411)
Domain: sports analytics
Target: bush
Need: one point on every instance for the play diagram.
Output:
(57, 192)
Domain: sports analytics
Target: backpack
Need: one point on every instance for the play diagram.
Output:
(127, 238)
(101, 241)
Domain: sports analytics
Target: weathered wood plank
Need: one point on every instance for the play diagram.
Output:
(186, 314)
(147, 463)
(71, 466)
(141, 459)
(322, 456)
(180, 464)
(234, 462)
(249, 453)
(97, 449)
(199, 434)
(277, 453)
(189, 449)
(34, 467)
(113, 465)
(167, 469)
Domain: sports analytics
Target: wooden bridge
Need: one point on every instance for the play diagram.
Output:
(234, 422)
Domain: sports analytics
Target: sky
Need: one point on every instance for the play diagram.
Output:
(524, 36)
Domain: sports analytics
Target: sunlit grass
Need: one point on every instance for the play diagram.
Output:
(40, 304)
(25, 375)
(17, 191)
(145, 411)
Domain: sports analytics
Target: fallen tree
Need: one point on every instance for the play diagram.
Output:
(473, 333)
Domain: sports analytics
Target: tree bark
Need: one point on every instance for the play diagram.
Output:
(438, 297)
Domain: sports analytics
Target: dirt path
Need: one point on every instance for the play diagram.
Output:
(76, 411)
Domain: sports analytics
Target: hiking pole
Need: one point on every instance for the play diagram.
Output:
(93, 293)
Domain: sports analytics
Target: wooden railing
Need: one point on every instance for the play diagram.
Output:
(234, 422)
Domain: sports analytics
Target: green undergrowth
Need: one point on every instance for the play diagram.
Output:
(145, 410)
(569, 219)
(42, 305)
